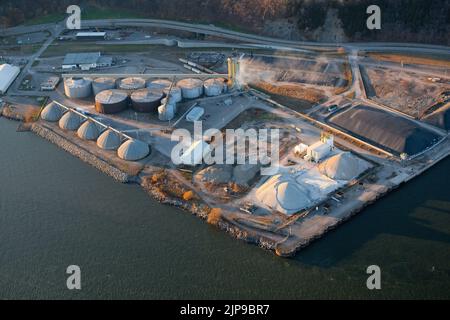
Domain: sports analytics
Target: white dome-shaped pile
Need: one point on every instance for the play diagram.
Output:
(133, 150)
(108, 140)
(52, 112)
(88, 131)
(70, 121)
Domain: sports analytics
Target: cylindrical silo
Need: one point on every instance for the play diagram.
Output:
(131, 84)
(109, 140)
(77, 88)
(167, 101)
(88, 131)
(191, 88)
(111, 101)
(159, 84)
(175, 94)
(146, 100)
(70, 121)
(52, 112)
(214, 87)
(103, 83)
(166, 112)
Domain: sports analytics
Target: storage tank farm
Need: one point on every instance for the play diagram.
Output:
(111, 101)
(103, 83)
(78, 88)
(146, 100)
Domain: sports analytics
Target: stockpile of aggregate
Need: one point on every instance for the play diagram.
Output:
(384, 129)
(343, 166)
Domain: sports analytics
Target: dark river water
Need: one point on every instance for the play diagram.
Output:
(57, 211)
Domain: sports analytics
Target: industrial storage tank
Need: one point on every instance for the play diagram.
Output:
(70, 121)
(103, 83)
(191, 88)
(52, 112)
(166, 112)
(131, 84)
(88, 131)
(109, 140)
(167, 101)
(214, 87)
(159, 84)
(133, 150)
(146, 100)
(175, 94)
(77, 88)
(111, 101)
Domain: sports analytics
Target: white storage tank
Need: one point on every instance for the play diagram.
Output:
(160, 84)
(166, 112)
(191, 88)
(103, 83)
(146, 100)
(175, 94)
(131, 84)
(111, 101)
(214, 87)
(77, 88)
(170, 101)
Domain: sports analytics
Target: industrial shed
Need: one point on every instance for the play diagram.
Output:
(8, 74)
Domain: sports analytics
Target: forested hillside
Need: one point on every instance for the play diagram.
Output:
(402, 20)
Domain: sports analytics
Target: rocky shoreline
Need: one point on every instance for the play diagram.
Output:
(80, 153)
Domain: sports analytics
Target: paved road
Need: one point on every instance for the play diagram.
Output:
(55, 31)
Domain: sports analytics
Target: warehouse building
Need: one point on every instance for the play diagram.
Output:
(91, 35)
(85, 61)
(8, 74)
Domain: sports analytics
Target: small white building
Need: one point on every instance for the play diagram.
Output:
(50, 83)
(8, 74)
(318, 151)
(195, 114)
(196, 152)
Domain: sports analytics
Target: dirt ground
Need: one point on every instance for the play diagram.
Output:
(407, 92)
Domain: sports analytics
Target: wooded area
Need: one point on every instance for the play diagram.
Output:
(402, 20)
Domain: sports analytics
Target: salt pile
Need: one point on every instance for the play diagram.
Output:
(343, 166)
